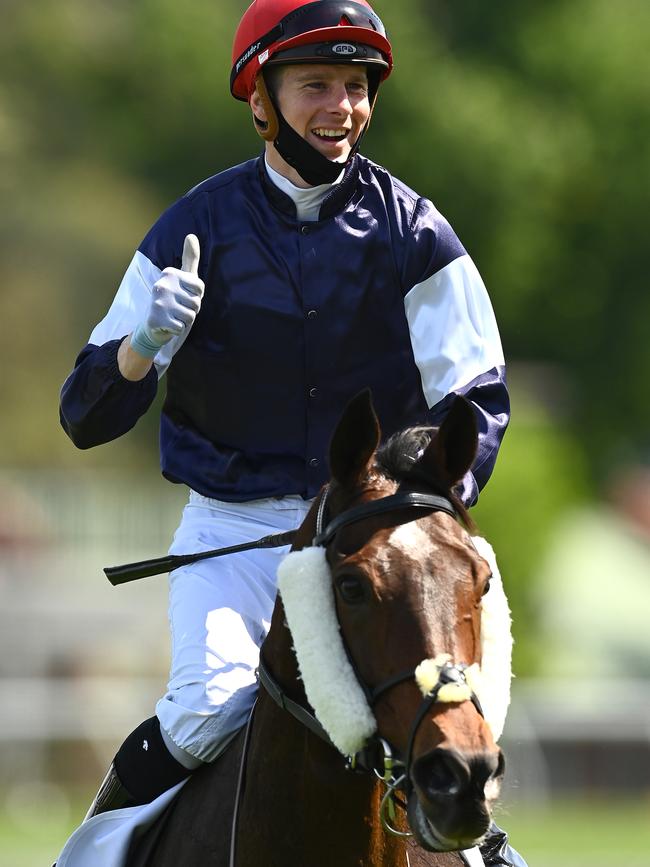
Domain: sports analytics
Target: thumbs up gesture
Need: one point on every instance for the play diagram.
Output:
(175, 302)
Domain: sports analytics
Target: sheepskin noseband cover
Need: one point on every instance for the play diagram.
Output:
(332, 689)
(495, 675)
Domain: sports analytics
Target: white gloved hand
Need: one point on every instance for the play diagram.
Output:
(175, 302)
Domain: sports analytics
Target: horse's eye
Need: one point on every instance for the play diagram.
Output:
(486, 586)
(351, 588)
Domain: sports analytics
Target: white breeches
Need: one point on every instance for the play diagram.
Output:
(220, 612)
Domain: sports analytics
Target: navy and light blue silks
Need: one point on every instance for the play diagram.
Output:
(297, 318)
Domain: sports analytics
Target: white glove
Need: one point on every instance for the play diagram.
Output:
(175, 302)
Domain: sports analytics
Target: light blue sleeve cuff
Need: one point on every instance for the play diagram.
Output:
(141, 341)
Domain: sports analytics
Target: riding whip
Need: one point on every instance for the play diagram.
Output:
(145, 568)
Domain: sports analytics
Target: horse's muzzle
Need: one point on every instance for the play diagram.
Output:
(449, 808)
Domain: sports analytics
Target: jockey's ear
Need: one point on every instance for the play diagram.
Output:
(355, 441)
(453, 449)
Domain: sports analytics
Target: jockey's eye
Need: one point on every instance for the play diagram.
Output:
(351, 588)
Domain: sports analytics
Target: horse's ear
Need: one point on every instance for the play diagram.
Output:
(355, 440)
(453, 449)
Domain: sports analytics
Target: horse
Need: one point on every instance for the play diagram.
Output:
(373, 738)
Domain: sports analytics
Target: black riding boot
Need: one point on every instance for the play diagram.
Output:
(143, 768)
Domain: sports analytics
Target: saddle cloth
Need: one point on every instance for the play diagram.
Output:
(104, 840)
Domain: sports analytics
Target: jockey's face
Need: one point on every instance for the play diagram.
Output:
(327, 104)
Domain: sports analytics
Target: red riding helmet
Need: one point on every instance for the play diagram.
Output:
(293, 31)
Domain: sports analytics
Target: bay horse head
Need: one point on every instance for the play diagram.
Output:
(403, 660)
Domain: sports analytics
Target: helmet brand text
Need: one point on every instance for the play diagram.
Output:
(247, 55)
(344, 48)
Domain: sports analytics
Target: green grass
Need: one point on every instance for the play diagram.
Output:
(581, 833)
(35, 821)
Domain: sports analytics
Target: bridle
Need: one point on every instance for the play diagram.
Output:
(377, 756)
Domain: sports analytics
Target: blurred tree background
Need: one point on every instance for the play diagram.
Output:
(527, 125)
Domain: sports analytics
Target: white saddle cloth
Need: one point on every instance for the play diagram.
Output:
(104, 840)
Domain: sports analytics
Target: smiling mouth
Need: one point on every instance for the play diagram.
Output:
(330, 135)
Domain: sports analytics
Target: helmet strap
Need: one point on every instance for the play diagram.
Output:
(267, 129)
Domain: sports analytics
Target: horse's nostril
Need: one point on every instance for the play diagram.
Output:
(447, 773)
(442, 773)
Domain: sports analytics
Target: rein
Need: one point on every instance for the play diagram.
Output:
(240, 785)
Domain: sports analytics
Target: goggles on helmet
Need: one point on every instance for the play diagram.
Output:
(327, 31)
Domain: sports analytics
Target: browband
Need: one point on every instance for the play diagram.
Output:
(377, 507)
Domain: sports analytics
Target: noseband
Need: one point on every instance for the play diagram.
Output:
(383, 765)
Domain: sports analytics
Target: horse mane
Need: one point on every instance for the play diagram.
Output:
(398, 459)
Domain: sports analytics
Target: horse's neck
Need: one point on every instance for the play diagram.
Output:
(315, 812)
(301, 785)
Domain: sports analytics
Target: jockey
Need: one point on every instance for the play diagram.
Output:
(269, 295)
